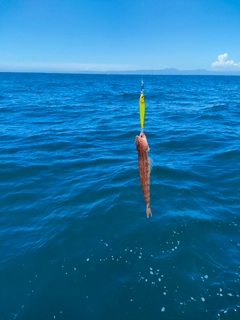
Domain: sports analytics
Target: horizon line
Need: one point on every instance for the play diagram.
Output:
(165, 71)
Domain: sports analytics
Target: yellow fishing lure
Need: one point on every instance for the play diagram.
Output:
(142, 107)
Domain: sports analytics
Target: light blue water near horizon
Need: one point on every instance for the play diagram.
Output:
(75, 242)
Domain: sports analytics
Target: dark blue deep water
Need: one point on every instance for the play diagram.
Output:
(75, 242)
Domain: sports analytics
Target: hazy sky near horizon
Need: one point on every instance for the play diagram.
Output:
(75, 35)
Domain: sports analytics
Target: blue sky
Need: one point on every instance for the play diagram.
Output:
(99, 35)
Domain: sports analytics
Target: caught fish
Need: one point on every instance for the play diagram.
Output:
(144, 169)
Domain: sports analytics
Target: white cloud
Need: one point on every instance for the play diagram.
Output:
(223, 62)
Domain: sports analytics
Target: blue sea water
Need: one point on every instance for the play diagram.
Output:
(75, 242)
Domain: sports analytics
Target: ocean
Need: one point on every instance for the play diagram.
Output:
(75, 242)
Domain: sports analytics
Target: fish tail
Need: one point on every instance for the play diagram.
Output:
(148, 211)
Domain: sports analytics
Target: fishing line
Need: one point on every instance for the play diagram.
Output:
(141, 99)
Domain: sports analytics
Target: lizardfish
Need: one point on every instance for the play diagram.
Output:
(144, 169)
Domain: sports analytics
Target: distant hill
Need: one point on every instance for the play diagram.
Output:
(167, 71)
(173, 71)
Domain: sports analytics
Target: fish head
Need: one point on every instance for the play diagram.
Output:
(141, 142)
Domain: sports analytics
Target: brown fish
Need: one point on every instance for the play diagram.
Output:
(144, 169)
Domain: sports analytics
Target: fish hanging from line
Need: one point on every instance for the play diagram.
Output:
(144, 169)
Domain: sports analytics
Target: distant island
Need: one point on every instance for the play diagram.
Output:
(173, 71)
(166, 71)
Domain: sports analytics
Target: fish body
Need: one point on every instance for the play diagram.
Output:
(144, 169)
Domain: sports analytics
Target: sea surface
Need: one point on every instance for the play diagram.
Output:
(75, 242)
